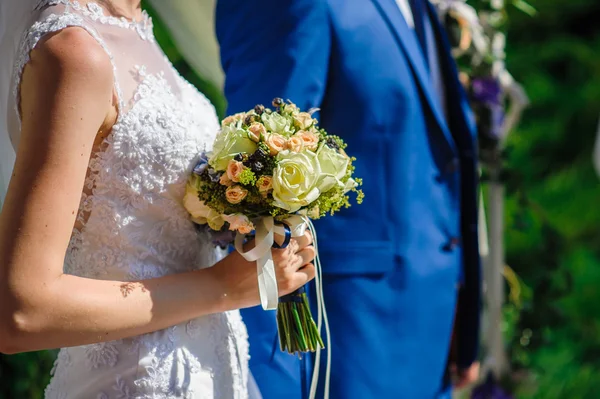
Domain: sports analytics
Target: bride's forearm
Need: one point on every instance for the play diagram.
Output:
(75, 311)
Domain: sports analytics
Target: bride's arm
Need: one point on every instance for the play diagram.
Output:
(67, 97)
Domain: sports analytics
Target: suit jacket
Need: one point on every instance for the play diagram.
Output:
(391, 265)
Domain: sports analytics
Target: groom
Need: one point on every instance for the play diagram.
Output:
(401, 271)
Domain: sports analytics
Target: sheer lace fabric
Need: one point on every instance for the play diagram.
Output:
(132, 224)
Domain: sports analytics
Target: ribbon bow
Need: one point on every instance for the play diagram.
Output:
(266, 228)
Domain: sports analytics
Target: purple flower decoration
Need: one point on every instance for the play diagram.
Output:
(490, 389)
(202, 164)
(486, 94)
(223, 238)
(486, 90)
(214, 175)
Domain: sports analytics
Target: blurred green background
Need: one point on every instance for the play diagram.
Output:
(552, 324)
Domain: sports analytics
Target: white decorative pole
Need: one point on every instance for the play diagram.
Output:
(597, 152)
(494, 263)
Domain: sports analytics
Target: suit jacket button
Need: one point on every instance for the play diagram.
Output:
(452, 244)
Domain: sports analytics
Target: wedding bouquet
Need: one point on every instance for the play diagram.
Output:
(270, 172)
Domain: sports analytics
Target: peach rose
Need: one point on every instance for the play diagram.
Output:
(256, 131)
(303, 120)
(235, 194)
(234, 170)
(265, 184)
(295, 144)
(239, 223)
(310, 139)
(225, 180)
(233, 118)
(275, 142)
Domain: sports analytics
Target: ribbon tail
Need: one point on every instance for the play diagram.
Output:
(267, 282)
(261, 253)
(321, 319)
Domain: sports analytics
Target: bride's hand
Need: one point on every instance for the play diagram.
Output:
(293, 266)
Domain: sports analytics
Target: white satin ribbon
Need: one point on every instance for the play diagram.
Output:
(267, 280)
(261, 253)
(321, 319)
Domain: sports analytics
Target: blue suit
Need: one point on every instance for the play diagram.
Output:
(391, 265)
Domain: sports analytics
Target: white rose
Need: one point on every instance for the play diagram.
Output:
(296, 179)
(230, 141)
(277, 123)
(200, 212)
(334, 167)
(350, 185)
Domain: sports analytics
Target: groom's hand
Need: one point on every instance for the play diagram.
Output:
(465, 377)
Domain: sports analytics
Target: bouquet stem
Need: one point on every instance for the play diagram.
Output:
(298, 332)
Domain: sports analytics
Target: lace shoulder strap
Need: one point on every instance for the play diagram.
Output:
(50, 24)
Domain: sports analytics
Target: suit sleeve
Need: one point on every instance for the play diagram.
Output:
(273, 48)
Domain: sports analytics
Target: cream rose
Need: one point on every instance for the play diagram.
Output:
(265, 184)
(310, 139)
(200, 212)
(334, 167)
(225, 180)
(296, 179)
(230, 141)
(233, 118)
(295, 143)
(303, 120)
(240, 223)
(256, 131)
(234, 170)
(277, 123)
(235, 194)
(276, 143)
(194, 206)
(350, 185)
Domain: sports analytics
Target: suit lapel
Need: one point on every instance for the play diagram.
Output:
(408, 41)
(454, 89)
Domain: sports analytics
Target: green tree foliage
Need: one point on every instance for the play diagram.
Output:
(553, 222)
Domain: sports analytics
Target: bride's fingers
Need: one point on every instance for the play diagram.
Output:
(306, 255)
(306, 273)
(304, 240)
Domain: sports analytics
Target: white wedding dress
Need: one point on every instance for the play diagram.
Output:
(132, 224)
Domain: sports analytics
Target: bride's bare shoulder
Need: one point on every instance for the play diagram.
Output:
(71, 72)
(73, 45)
(70, 59)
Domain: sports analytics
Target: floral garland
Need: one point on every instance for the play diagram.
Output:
(478, 40)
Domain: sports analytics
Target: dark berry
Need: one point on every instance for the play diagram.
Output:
(259, 155)
(278, 102)
(239, 157)
(331, 143)
(214, 175)
(259, 109)
(249, 119)
(257, 166)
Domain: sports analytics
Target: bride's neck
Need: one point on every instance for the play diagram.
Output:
(130, 9)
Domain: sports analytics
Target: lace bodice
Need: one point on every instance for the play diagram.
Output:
(132, 224)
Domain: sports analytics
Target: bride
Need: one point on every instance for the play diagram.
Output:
(97, 253)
